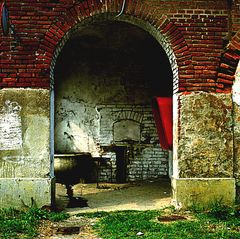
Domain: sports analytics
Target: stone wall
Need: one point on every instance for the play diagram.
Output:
(146, 160)
(23, 113)
(203, 162)
(205, 148)
(24, 148)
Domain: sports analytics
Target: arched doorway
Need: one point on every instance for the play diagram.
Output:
(105, 78)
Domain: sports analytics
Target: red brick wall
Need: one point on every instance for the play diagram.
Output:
(196, 31)
(236, 16)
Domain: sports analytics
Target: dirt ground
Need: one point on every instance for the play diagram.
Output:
(146, 195)
(110, 197)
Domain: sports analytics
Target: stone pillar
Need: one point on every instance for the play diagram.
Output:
(203, 149)
(24, 148)
(236, 120)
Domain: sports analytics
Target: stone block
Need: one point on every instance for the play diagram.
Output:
(25, 148)
(23, 193)
(203, 192)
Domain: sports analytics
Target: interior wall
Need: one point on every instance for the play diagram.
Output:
(108, 66)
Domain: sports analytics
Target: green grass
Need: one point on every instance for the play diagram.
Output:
(208, 225)
(220, 222)
(16, 224)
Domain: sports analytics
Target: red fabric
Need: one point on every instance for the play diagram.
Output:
(163, 115)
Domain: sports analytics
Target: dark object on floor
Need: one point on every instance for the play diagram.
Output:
(70, 168)
(171, 218)
(68, 230)
(77, 202)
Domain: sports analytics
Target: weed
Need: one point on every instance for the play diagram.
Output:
(221, 211)
(93, 214)
(23, 224)
(131, 224)
(196, 208)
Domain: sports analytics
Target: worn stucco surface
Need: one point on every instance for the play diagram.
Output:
(205, 143)
(30, 156)
(25, 192)
(189, 192)
(24, 148)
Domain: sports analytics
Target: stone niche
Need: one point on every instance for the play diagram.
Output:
(24, 148)
(126, 130)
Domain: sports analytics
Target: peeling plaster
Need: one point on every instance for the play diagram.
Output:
(10, 126)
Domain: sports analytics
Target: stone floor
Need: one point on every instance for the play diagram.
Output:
(109, 197)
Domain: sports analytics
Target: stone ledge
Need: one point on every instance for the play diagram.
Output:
(202, 192)
(23, 193)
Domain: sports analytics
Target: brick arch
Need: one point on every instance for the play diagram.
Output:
(135, 12)
(128, 115)
(229, 61)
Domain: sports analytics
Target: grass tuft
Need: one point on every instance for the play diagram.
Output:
(15, 224)
(128, 224)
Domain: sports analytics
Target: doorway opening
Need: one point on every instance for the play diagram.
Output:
(105, 79)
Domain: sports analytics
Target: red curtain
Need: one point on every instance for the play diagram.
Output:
(163, 116)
